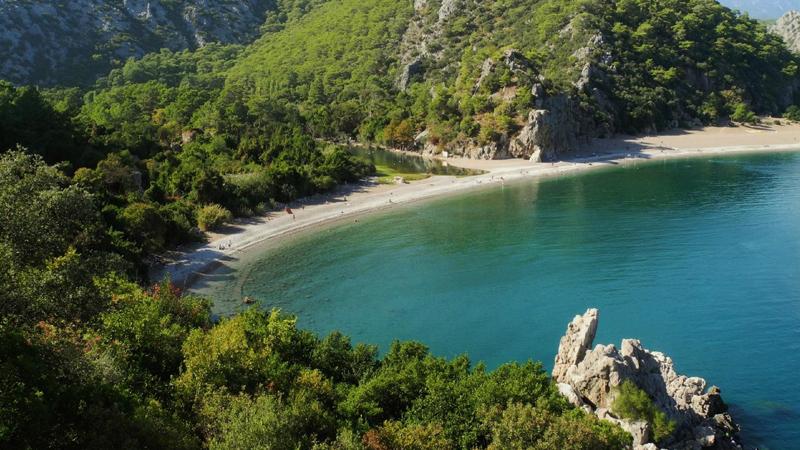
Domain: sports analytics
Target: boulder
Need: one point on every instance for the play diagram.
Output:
(639, 430)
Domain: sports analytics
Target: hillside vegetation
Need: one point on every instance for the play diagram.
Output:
(471, 72)
(89, 360)
(95, 181)
(72, 42)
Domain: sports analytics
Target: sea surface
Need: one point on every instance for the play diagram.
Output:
(698, 258)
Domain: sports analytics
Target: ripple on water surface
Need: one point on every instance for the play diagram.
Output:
(697, 258)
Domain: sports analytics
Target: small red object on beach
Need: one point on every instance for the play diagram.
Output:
(289, 210)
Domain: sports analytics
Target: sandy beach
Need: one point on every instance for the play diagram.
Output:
(349, 202)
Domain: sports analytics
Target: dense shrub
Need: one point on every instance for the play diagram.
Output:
(633, 403)
(743, 114)
(792, 113)
(211, 217)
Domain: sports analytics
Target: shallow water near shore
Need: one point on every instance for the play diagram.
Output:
(698, 258)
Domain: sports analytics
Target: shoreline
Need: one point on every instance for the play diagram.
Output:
(187, 265)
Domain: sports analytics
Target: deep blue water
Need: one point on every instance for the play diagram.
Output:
(698, 258)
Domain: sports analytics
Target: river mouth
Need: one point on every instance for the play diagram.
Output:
(698, 258)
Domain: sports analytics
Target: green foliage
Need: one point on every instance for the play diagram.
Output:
(145, 331)
(54, 243)
(211, 217)
(27, 118)
(177, 140)
(58, 391)
(633, 403)
(523, 426)
(268, 422)
(395, 434)
(743, 114)
(256, 373)
(792, 113)
(90, 360)
(338, 61)
(675, 59)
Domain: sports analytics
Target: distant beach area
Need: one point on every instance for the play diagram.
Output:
(347, 203)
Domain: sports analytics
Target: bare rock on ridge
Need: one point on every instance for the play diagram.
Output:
(788, 27)
(589, 378)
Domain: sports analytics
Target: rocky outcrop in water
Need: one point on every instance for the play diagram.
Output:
(589, 377)
(788, 27)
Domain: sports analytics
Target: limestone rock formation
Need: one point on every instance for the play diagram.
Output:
(588, 377)
(575, 343)
(788, 27)
(549, 131)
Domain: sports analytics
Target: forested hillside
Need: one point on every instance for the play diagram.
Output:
(517, 77)
(72, 42)
(98, 176)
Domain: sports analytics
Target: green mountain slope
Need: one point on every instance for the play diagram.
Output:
(71, 42)
(469, 74)
(177, 140)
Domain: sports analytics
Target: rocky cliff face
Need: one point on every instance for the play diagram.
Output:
(555, 126)
(788, 27)
(70, 42)
(588, 378)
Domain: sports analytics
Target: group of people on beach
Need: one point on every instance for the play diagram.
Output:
(225, 245)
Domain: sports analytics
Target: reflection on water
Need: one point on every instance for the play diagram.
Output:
(408, 163)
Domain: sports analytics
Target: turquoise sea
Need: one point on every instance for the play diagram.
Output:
(698, 258)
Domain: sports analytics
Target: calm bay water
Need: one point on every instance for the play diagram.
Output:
(698, 258)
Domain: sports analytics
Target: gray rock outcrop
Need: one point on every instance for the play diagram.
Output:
(589, 377)
(410, 70)
(788, 27)
(552, 130)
